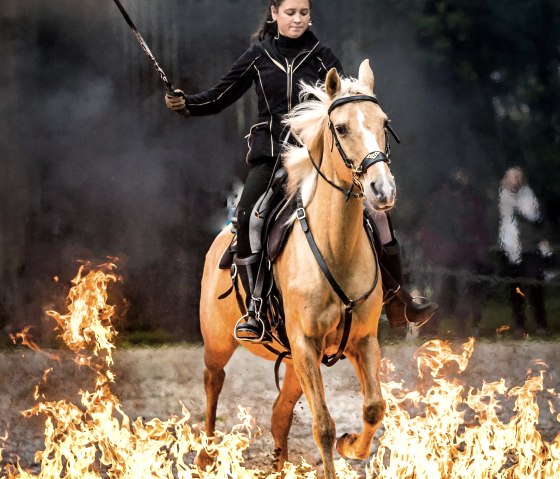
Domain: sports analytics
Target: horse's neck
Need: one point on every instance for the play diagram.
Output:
(337, 224)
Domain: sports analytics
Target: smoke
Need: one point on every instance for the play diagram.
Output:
(94, 164)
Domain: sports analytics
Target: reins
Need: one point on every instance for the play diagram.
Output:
(349, 193)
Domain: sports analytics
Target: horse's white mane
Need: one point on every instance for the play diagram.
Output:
(306, 122)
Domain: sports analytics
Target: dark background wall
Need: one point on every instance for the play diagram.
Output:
(93, 165)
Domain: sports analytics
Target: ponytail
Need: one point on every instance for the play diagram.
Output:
(269, 27)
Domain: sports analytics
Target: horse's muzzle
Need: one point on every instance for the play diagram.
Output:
(384, 194)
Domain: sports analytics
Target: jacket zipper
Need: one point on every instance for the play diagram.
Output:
(290, 74)
(290, 80)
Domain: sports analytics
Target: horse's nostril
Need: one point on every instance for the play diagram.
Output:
(375, 191)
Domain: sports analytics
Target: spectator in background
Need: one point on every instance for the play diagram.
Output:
(525, 252)
(455, 241)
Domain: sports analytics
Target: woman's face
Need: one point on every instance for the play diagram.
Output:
(292, 17)
(514, 179)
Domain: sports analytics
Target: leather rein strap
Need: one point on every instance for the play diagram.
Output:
(349, 303)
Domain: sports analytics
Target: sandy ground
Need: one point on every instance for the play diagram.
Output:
(151, 382)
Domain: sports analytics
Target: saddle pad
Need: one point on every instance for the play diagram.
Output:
(280, 230)
(229, 254)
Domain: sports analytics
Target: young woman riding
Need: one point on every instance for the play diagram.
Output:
(286, 53)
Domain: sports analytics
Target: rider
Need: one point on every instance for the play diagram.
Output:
(285, 53)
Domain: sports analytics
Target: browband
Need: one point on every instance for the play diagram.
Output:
(349, 99)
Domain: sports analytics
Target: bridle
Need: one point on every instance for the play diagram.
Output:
(367, 162)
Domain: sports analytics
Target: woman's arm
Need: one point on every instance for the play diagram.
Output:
(228, 90)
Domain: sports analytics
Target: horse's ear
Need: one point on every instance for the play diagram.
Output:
(332, 83)
(365, 75)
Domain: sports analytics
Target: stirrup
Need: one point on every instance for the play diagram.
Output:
(418, 325)
(391, 294)
(249, 340)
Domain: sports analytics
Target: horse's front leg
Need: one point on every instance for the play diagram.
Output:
(306, 355)
(366, 360)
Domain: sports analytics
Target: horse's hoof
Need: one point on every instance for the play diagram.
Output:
(204, 461)
(280, 458)
(345, 446)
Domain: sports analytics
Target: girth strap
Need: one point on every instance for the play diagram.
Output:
(349, 303)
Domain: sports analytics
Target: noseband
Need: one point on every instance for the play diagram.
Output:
(368, 161)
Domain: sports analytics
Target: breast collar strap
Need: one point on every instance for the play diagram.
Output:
(350, 304)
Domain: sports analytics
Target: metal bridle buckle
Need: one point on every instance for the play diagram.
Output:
(259, 302)
(358, 184)
(233, 272)
(300, 214)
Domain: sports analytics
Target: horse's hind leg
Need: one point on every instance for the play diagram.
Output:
(214, 376)
(216, 356)
(283, 413)
(366, 360)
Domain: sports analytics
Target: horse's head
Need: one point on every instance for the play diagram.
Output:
(358, 128)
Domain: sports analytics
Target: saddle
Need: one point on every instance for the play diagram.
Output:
(268, 226)
(268, 232)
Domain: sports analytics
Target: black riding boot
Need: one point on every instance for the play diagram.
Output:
(249, 327)
(399, 305)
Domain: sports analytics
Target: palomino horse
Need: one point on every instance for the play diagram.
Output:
(332, 183)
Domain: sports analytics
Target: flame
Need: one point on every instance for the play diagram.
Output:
(96, 439)
(25, 337)
(437, 442)
(438, 429)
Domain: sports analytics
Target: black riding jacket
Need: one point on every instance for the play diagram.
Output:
(275, 66)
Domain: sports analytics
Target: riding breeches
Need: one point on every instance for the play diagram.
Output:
(256, 183)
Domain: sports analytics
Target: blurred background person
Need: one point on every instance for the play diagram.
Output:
(455, 240)
(524, 250)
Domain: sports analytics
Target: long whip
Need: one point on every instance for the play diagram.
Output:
(148, 52)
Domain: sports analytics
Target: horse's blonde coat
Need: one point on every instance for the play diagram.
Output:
(313, 321)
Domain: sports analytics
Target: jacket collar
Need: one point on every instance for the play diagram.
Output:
(306, 44)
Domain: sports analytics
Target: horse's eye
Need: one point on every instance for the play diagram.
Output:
(341, 129)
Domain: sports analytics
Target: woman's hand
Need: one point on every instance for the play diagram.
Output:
(175, 100)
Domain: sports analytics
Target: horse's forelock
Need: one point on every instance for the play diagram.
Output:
(306, 121)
